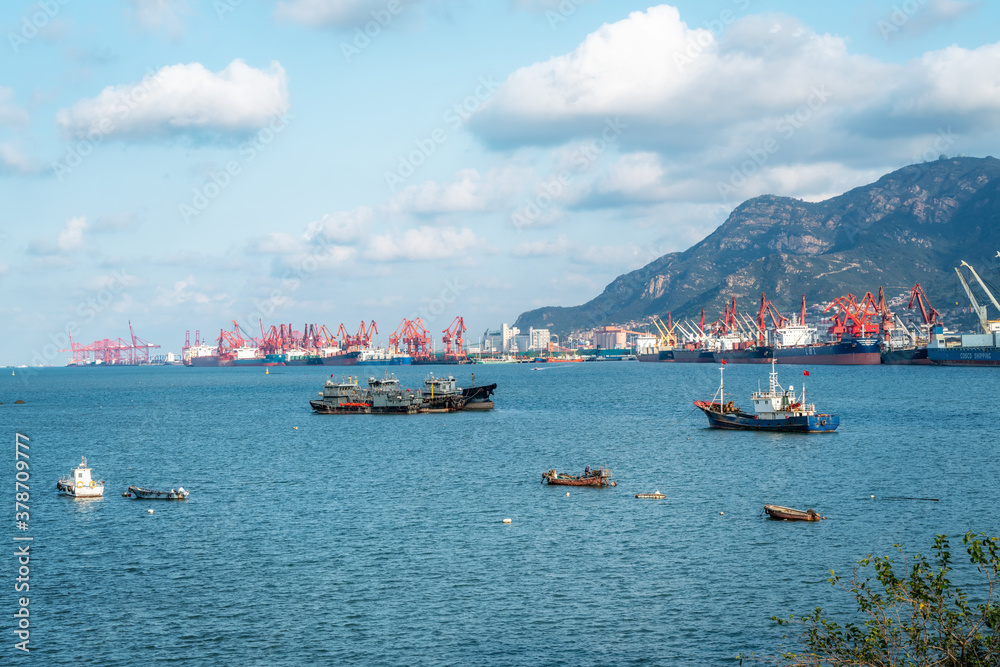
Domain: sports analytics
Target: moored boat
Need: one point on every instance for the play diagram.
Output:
(596, 477)
(149, 494)
(789, 514)
(777, 409)
(79, 484)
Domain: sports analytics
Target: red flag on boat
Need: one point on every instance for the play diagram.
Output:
(723, 362)
(805, 372)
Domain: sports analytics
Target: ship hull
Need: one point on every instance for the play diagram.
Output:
(964, 356)
(346, 359)
(393, 361)
(209, 361)
(311, 360)
(849, 352)
(267, 360)
(913, 356)
(757, 355)
(739, 421)
(693, 356)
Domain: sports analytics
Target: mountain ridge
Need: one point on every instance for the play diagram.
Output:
(911, 225)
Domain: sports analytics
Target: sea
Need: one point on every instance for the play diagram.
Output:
(379, 540)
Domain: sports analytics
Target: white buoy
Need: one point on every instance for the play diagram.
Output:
(721, 514)
(506, 520)
(150, 511)
(567, 493)
(873, 497)
(296, 428)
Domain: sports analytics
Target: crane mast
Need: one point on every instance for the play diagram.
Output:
(979, 310)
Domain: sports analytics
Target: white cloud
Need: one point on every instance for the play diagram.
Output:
(767, 103)
(183, 100)
(677, 86)
(337, 12)
(10, 113)
(469, 192)
(165, 15)
(423, 243)
(185, 292)
(12, 160)
(341, 227)
(544, 248)
(71, 236)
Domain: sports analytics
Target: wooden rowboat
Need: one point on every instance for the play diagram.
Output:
(597, 477)
(789, 514)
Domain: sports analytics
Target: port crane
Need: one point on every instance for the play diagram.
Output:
(928, 313)
(667, 337)
(987, 325)
(454, 332)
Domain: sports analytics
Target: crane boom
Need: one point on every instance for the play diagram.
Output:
(983, 285)
(979, 310)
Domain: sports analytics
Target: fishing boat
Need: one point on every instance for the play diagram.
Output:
(149, 494)
(776, 409)
(655, 495)
(596, 477)
(788, 514)
(442, 394)
(79, 483)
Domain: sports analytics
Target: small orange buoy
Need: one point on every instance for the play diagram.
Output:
(296, 428)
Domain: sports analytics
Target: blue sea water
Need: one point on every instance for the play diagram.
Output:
(379, 539)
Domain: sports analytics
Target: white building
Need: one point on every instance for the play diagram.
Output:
(538, 339)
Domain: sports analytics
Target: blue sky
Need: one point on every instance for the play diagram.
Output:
(186, 163)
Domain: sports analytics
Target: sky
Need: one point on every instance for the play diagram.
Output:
(183, 164)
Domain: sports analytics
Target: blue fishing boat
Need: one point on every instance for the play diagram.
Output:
(776, 409)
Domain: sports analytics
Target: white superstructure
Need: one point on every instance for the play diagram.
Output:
(79, 484)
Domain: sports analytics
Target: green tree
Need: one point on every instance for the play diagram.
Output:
(913, 615)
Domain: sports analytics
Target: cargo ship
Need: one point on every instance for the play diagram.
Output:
(967, 350)
(982, 349)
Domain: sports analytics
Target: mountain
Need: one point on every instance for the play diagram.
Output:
(912, 225)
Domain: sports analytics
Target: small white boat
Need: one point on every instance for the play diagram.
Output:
(79, 484)
(150, 494)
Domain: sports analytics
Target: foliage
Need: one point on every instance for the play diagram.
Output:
(913, 614)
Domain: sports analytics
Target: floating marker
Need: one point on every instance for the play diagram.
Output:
(873, 497)
(506, 520)
(296, 428)
(567, 493)
(150, 511)
(721, 514)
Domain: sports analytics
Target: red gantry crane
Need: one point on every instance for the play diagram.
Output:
(454, 333)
